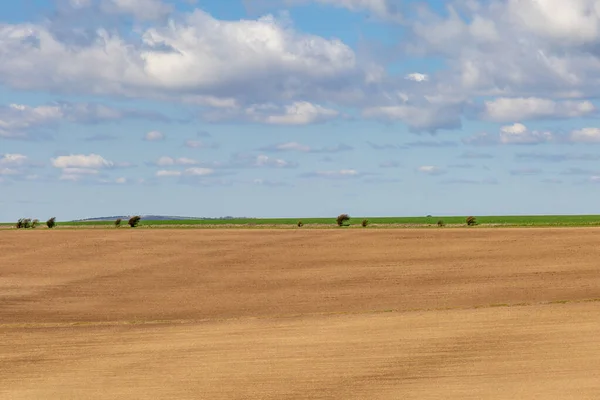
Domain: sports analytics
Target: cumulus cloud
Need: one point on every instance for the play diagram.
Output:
(297, 113)
(514, 48)
(530, 61)
(531, 108)
(572, 23)
(419, 118)
(166, 161)
(245, 65)
(265, 161)
(75, 167)
(516, 134)
(417, 77)
(93, 161)
(585, 135)
(519, 134)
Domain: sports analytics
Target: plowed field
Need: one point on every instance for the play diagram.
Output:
(298, 314)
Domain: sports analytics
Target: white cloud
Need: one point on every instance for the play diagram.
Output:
(266, 161)
(233, 63)
(585, 135)
(199, 171)
(521, 109)
(301, 113)
(571, 22)
(513, 48)
(93, 161)
(296, 113)
(185, 161)
(419, 117)
(154, 136)
(121, 180)
(16, 165)
(165, 161)
(417, 77)
(13, 160)
(519, 134)
(76, 167)
(516, 134)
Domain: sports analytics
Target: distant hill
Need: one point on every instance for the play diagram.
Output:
(150, 218)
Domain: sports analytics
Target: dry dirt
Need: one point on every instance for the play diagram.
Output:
(297, 314)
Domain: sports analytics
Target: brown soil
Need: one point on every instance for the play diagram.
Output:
(293, 314)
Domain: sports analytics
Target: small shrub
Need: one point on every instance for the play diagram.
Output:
(365, 223)
(24, 223)
(134, 221)
(118, 222)
(441, 223)
(35, 223)
(471, 221)
(342, 219)
(51, 223)
(300, 224)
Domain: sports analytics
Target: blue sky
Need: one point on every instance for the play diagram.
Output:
(298, 108)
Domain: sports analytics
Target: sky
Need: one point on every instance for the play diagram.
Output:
(298, 108)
